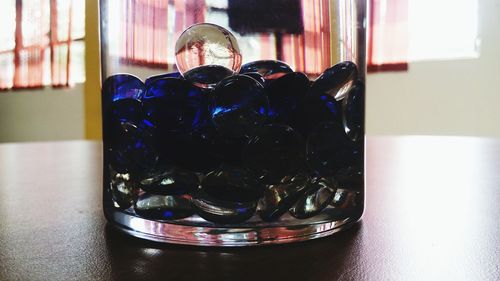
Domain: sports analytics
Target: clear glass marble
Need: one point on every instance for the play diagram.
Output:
(233, 123)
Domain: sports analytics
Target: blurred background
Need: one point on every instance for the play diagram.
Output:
(431, 63)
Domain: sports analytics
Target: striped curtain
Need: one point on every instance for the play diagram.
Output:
(42, 38)
(147, 31)
(388, 35)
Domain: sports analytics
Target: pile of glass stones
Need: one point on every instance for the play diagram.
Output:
(230, 142)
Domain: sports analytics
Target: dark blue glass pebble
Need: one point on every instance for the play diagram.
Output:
(207, 76)
(257, 77)
(126, 110)
(266, 68)
(275, 151)
(194, 151)
(285, 94)
(174, 105)
(354, 112)
(122, 86)
(151, 79)
(319, 194)
(131, 147)
(173, 181)
(220, 149)
(316, 109)
(328, 149)
(336, 80)
(239, 106)
(232, 184)
(219, 211)
(279, 198)
(164, 207)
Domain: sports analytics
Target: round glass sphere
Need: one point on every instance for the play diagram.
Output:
(207, 53)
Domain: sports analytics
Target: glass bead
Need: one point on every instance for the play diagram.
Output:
(219, 211)
(239, 106)
(269, 69)
(164, 207)
(328, 149)
(175, 105)
(274, 152)
(173, 181)
(279, 198)
(207, 44)
(285, 94)
(319, 194)
(122, 86)
(336, 80)
(232, 184)
(354, 112)
(124, 191)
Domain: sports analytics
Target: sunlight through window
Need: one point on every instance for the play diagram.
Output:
(443, 29)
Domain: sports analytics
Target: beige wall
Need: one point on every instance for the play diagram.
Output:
(38, 115)
(459, 97)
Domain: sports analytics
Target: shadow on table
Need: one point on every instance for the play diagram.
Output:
(322, 259)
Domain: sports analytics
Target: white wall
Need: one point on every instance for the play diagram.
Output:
(39, 115)
(460, 97)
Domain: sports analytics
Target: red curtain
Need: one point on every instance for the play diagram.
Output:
(147, 32)
(388, 35)
(42, 52)
(146, 28)
(310, 52)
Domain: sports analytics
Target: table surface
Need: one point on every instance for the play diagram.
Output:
(432, 213)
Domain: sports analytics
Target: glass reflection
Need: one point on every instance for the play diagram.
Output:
(142, 33)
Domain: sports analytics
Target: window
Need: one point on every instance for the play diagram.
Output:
(421, 30)
(388, 35)
(41, 43)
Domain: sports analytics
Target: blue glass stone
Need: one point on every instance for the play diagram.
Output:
(173, 181)
(336, 80)
(316, 109)
(275, 151)
(126, 110)
(192, 151)
(219, 211)
(267, 68)
(285, 94)
(207, 76)
(124, 191)
(131, 148)
(319, 194)
(328, 149)
(220, 149)
(239, 106)
(175, 105)
(164, 207)
(257, 77)
(232, 184)
(354, 112)
(151, 79)
(279, 198)
(122, 86)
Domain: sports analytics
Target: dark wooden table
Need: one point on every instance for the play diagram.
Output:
(433, 213)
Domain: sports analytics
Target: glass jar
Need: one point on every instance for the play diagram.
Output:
(233, 123)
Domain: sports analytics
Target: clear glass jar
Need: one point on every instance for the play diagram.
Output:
(233, 123)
